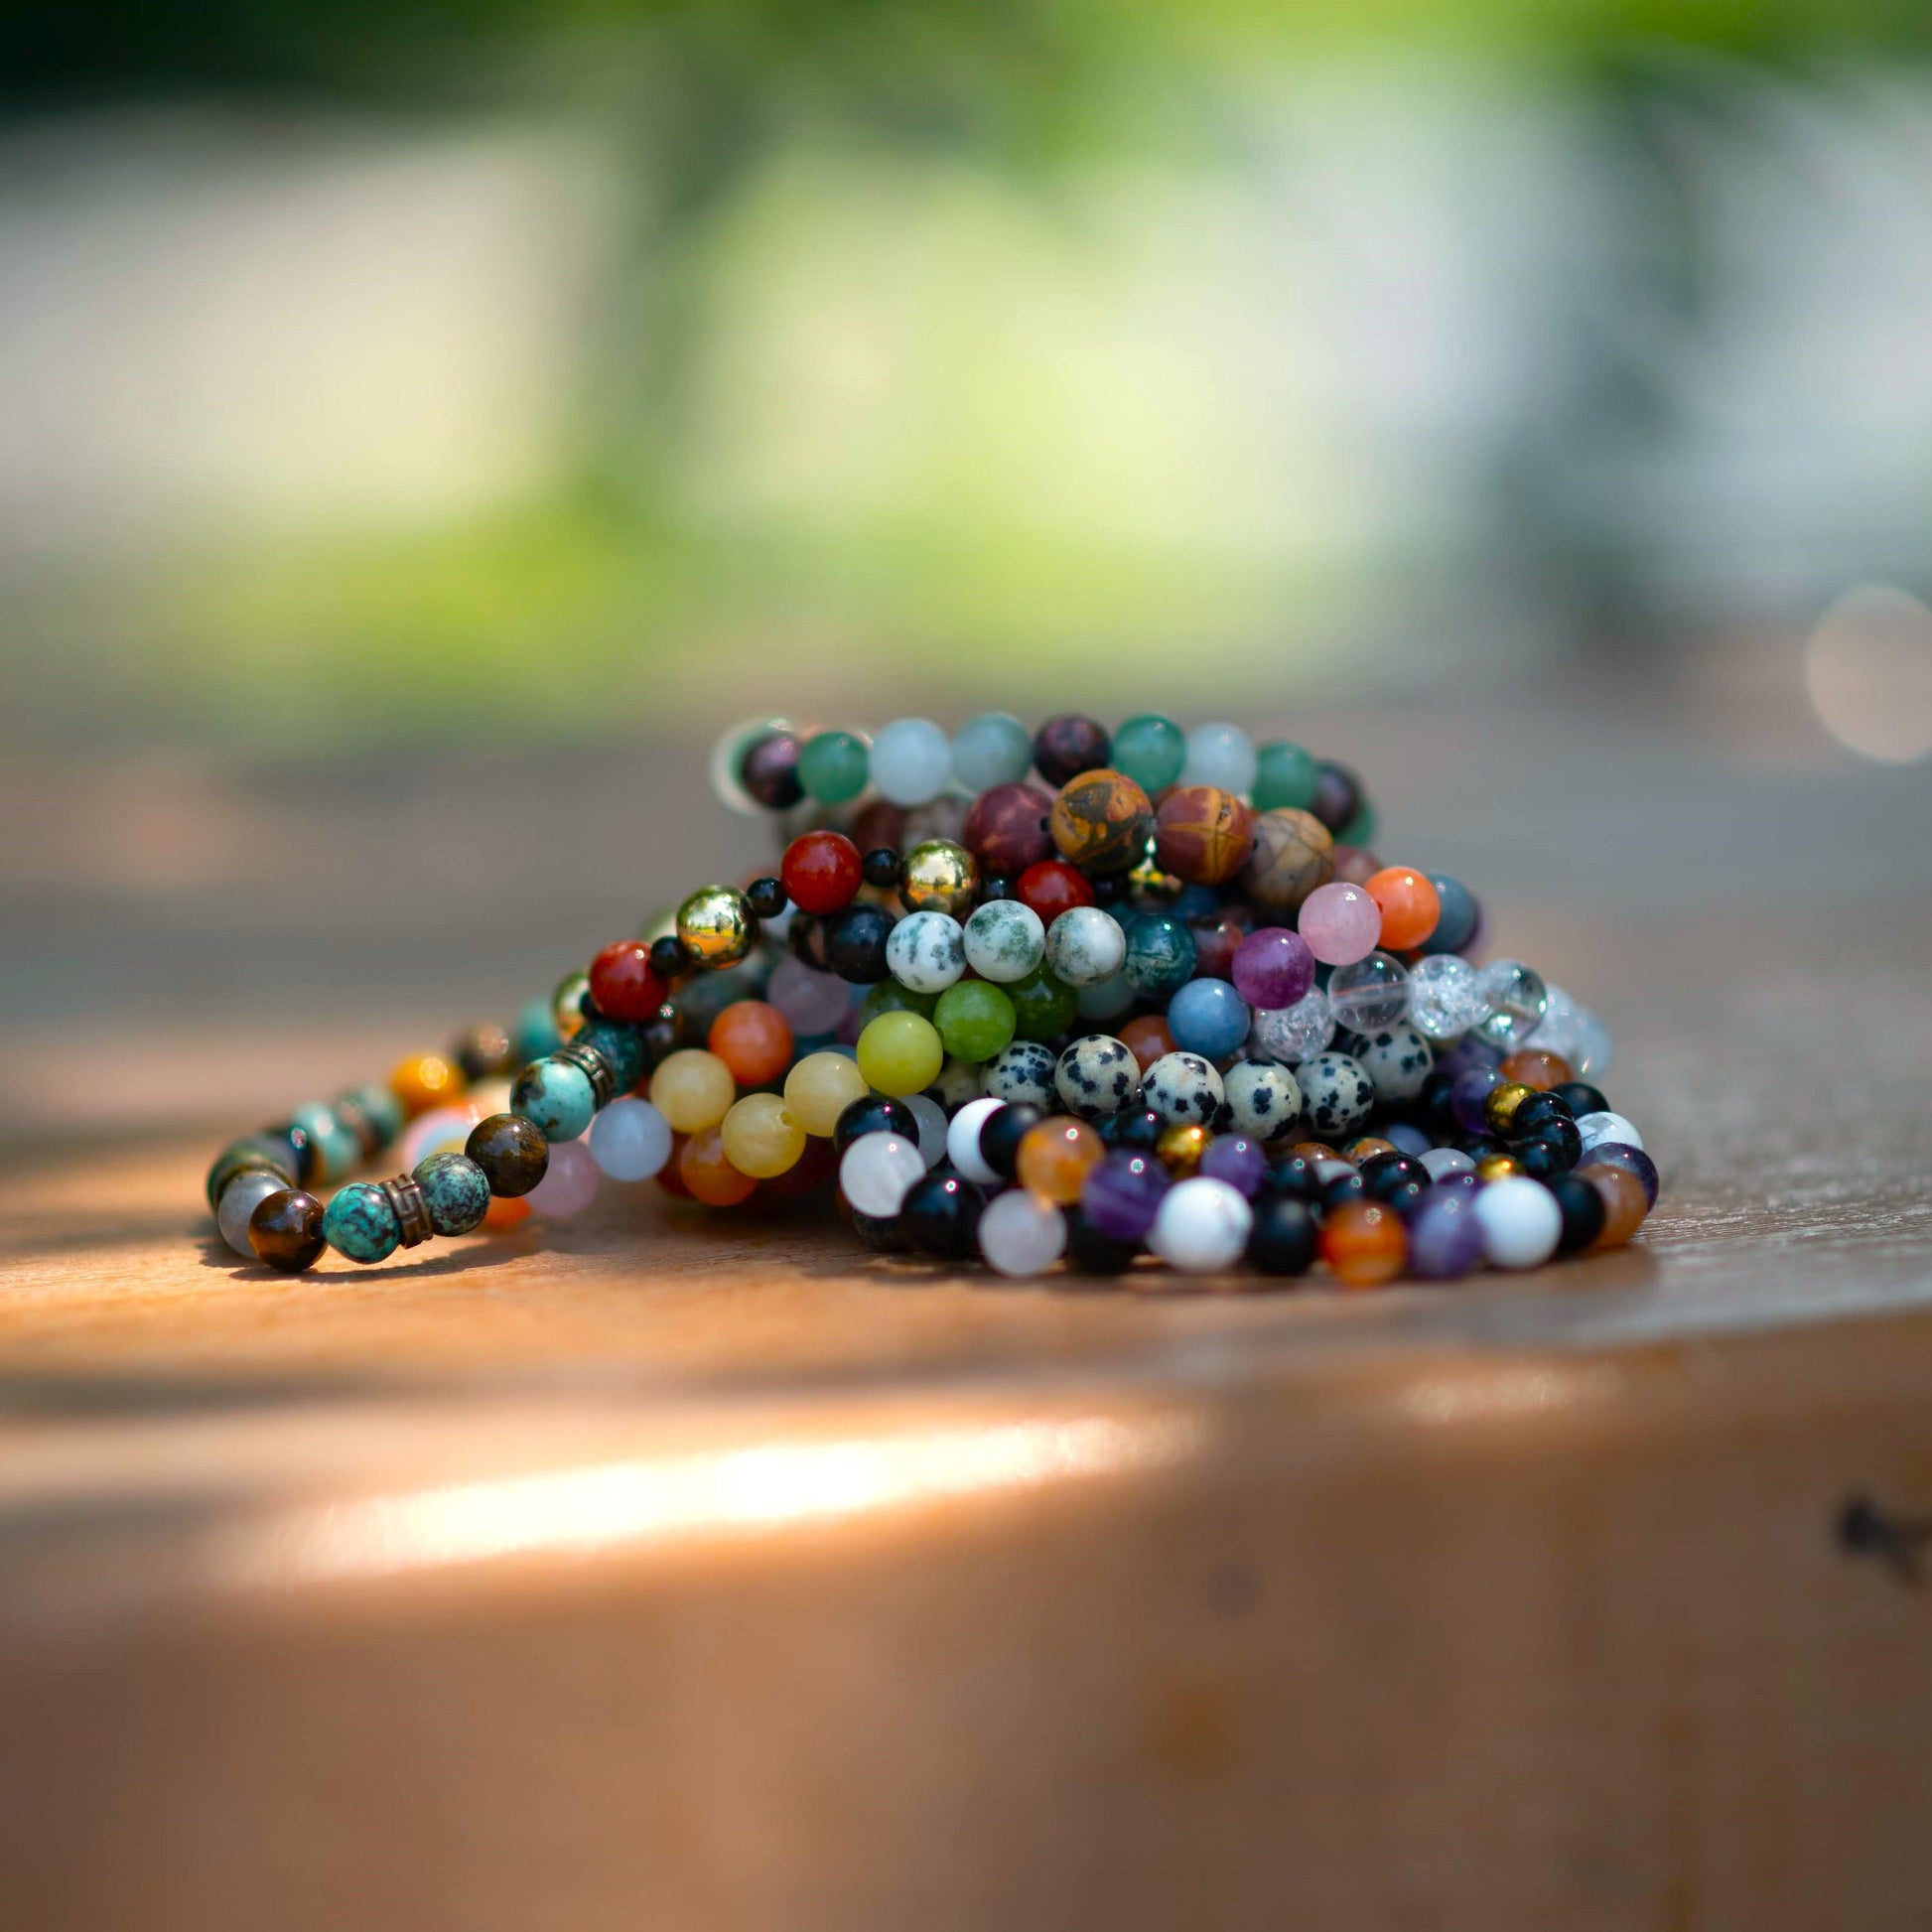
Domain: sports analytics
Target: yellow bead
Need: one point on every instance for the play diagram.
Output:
(763, 1137)
(1495, 1167)
(423, 1081)
(901, 1054)
(820, 1088)
(1499, 1109)
(716, 925)
(1179, 1147)
(938, 877)
(693, 1090)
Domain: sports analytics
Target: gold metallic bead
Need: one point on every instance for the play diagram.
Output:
(1496, 1166)
(716, 925)
(938, 877)
(1180, 1147)
(567, 1004)
(1500, 1107)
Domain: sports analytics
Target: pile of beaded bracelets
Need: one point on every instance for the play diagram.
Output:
(1304, 1058)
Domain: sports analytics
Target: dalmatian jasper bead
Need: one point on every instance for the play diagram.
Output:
(1097, 1075)
(1022, 1072)
(1005, 940)
(1184, 1088)
(927, 952)
(958, 1082)
(1397, 1061)
(1336, 1095)
(1262, 1098)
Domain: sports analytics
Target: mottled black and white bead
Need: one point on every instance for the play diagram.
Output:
(1097, 1076)
(926, 951)
(1397, 1062)
(958, 1082)
(1336, 1095)
(1184, 1088)
(1262, 1098)
(1022, 1071)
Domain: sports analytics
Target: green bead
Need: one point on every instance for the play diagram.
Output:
(834, 767)
(621, 1043)
(1150, 750)
(1042, 1005)
(1160, 954)
(1362, 828)
(556, 1097)
(382, 1109)
(360, 1224)
(901, 1054)
(887, 996)
(1284, 776)
(975, 1020)
(535, 1032)
(455, 1190)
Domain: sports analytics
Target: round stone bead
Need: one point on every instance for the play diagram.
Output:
(1223, 756)
(1210, 1018)
(1340, 923)
(1582, 1208)
(511, 1151)
(1456, 915)
(754, 1039)
(1043, 1006)
(1150, 749)
(1444, 1161)
(568, 997)
(261, 1152)
(768, 770)
(927, 952)
(975, 1020)
(1622, 1196)
(1520, 1220)
(1446, 997)
(455, 1190)
(1293, 854)
(1284, 1238)
(693, 1090)
(555, 1097)
(818, 1091)
(1055, 1156)
(1149, 1037)
(994, 748)
(1160, 954)
(1337, 797)
(761, 1136)
(1517, 1000)
(899, 1053)
(1020, 1235)
(1184, 1088)
(1022, 1071)
(834, 767)
(1285, 774)
(427, 1080)
(1108, 1000)
(1294, 1033)
(239, 1199)
(1121, 1196)
(1202, 1226)
(1085, 946)
(874, 1113)
(1593, 1128)
(1203, 834)
(1051, 887)
(1101, 821)
(1336, 1095)
(569, 1183)
(811, 1002)
(956, 1082)
(1262, 1098)
(938, 876)
(623, 985)
(940, 1216)
(1370, 993)
(962, 1147)
(911, 762)
(285, 1230)
(876, 1171)
(1398, 1060)
(1066, 747)
(361, 1224)
(631, 1139)
(1445, 1236)
(855, 941)
(1006, 829)
(1238, 1161)
(1632, 1159)
(1179, 1146)
(1410, 905)
(1004, 940)
(336, 1149)
(820, 871)
(1097, 1075)
(1272, 968)
(1363, 1243)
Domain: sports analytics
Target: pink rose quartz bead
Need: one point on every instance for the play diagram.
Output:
(1340, 923)
(569, 1182)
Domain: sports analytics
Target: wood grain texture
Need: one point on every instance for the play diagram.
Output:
(691, 1576)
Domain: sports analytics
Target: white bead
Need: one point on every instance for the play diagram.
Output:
(1442, 1161)
(1219, 754)
(1202, 1225)
(925, 952)
(239, 1199)
(963, 1140)
(932, 1126)
(876, 1171)
(631, 1139)
(1005, 940)
(1085, 946)
(1592, 1128)
(1020, 1234)
(1520, 1221)
(911, 762)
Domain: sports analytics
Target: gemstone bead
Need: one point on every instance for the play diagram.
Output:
(1108, 1000)
(1262, 1098)
(1520, 1222)
(1067, 746)
(1397, 1061)
(993, 748)
(1203, 834)
(259, 1154)
(554, 1096)
(1150, 750)
(898, 1053)
(285, 1230)
(877, 1169)
(1363, 1243)
(1202, 1226)
(706, 1171)
(940, 1216)
(1022, 1071)
(975, 1020)
(1285, 774)
(1055, 1156)
(1336, 1095)
(1517, 1000)
(911, 762)
(1085, 946)
(1121, 1195)
(761, 1136)
(1238, 1161)
(1632, 1159)
(1293, 854)
(754, 1041)
(768, 770)
(1582, 1208)
(1148, 1038)
(1020, 1235)
(423, 1081)
(455, 1190)
(938, 876)
(1444, 1237)
(1272, 968)
(1179, 1145)
(1210, 1018)
(1161, 955)
(1338, 796)
(623, 983)
(631, 1139)
(693, 1090)
(716, 925)
(1183, 1087)
(927, 952)
(811, 1002)
(1446, 997)
(1592, 1128)
(511, 1151)
(567, 1004)
(1101, 820)
(855, 941)
(834, 765)
(1370, 993)
(1294, 1033)
(1340, 923)
(1622, 1194)
(1221, 755)
(1282, 1240)
(1097, 1075)
(1004, 940)
(1410, 905)
(239, 1199)
(1051, 887)
(1006, 829)
(820, 871)
(360, 1223)
(1043, 1006)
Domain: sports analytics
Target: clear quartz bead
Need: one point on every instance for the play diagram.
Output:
(1294, 1033)
(1369, 994)
(1446, 997)
(1517, 1000)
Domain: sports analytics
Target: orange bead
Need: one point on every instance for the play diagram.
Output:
(504, 1212)
(424, 1081)
(754, 1039)
(1146, 1039)
(1366, 1147)
(1363, 1244)
(1056, 1155)
(1315, 1150)
(1532, 1067)
(1410, 905)
(670, 1176)
(1625, 1204)
(708, 1174)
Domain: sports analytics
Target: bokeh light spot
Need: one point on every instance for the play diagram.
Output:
(1868, 672)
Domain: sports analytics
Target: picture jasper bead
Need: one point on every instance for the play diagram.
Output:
(512, 1151)
(1101, 821)
(1294, 853)
(360, 1223)
(285, 1231)
(455, 1190)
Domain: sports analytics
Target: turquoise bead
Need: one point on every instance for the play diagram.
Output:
(554, 1097)
(535, 1032)
(834, 767)
(1150, 750)
(1160, 954)
(622, 1045)
(337, 1151)
(455, 1190)
(995, 748)
(360, 1224)
(1285, 775)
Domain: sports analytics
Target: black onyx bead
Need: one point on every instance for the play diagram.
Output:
(1139, 1128)
(484, 1054)
(1000, 1133)
(1582, 1211)
(1294, 1178)
(880, 867)
(875, 1113)
(1283, 1238)
(1536, 1113)
(285, 1231)
(855, 943)
(940, 1215)
(1405, 1196)
(765, 898)
(767, 769)
(1337, 796)
(806, 940)
(1109, 888)
(1094, 1253)
(1343, 1188)
(1384, 1174)
(1475, 1146)
(662, 1035)
(512, 1151)
(879, 1232)
(992, 888)
(1551, 1149)
(1582, 1098)
(670, 957)
(1066, 747)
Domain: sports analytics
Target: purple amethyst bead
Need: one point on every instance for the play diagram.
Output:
(1273, 968)
(1620, 1154)
(1468, 1054)
(1238, 1161)
(1444, 1237)
(1471, 1089)
(1122, 1195)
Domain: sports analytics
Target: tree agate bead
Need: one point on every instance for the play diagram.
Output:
(1085, 947)
(361, 1224)
(1150, 750)
(834, 767)
(975, 1020)
(1066, 747)
(1101, 820)
(285, 1230)
(716, 925)
(556, 1097)
(1203, 834)
(1004, 942)
(1285, 774)
(901, 1054)
(993, 749)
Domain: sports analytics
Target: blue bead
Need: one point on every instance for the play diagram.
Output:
(360, 1224)
(1457, 921)
(382, 1110)
(1210, 1018)
(1196, 903)
(554, 1097)
(535, 1032)
(456, 1191)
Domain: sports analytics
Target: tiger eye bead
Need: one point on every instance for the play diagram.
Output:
(938, 877)
(285, 1231)
(716, 925)
(512, 1151)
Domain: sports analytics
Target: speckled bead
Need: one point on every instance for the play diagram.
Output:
(925, 952)
(1398, 1060)
(1160, 954)
(1085, 946)
(1022, 1071)
(1262, 1098)
(1184, 1088)
(1336, 1095)
(456, 1191)
(361, 1224)
(1097, 1075)
(1004, 940)
(556, 1097)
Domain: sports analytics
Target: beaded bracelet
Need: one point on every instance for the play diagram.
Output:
(906, 1007)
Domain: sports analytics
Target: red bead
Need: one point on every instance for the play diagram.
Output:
(1051, 887)
(820, 871)
(622, 985)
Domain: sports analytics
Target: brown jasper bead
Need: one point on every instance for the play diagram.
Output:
(512, 1151)
(1293, 854)
(1625, 1204)
(285, 1230)
(1535, 1068)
